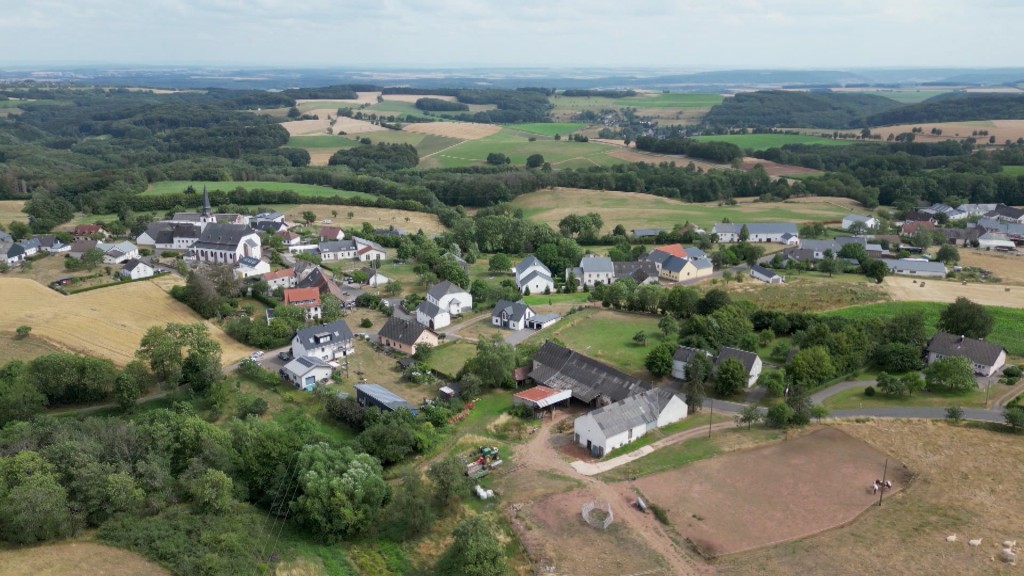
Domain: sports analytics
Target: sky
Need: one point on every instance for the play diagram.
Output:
(669, 34)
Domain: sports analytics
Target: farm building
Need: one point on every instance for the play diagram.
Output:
(946, 210)
(986, 358)
(540, 397)
(375, 395)
(996, 240)
(977, 209)
(136, 270)
(118, 253)
(763, 274)
(646, 232)
(533, 276)
(305, 371)
(921, 268)
(866, 222)
(777, 232)
(682, 358)
(325, 341)
(590, 381)
(305, 298)
(404, 335)
(511, 315)
(618, 424)
(751, 362)
(1007, 214)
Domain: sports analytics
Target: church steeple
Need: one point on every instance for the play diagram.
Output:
(207, 211)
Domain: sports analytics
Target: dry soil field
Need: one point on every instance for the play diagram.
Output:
(74, 559)
(378, 217)
(317, 127)
(1002, 129)
(934, 290)
(10, 210)
(461, 130)
(108, 322)
(1009, 267)
(967, 482)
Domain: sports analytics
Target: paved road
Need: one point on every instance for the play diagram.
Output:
(980, 414)
(820, 396)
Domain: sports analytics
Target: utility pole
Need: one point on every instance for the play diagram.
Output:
(881, 491)
(711, 416)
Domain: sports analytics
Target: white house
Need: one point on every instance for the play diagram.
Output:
(751, 362)
(136, 270)
(531, 274)
(985, 357)
(248, 267)
(306, 298)
(118, 253)
(766, 275)
(284, 278)
(374, 277)
(777, 232)
(369, 251)
(592, 270)
(332, 250)
(170, 236)
(305, 371)
(511, 315)
(922, 268)
(13, 253)
(332, 233)
(226, 244)
(868, 222)
(31, 246)
(682, 358)
(325, 341)
(52, 244)
(605, 429)
(444, 300)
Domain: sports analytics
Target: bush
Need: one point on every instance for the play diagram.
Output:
(779, 415)
(521, 411)
(247, 404)
(954, 414)
(366, 323)
(661, 514)
(869, 391)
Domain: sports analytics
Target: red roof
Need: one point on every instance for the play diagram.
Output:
(330, 232)
(287, 235)
(537, 393)
(86, 229)
(673, 249)
(911, 227)
(283, 273)
(298, 295)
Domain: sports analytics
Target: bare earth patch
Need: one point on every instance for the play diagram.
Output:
(74, 558)
(934, 290)
(785, 491)
(364, 98)
(462, 130)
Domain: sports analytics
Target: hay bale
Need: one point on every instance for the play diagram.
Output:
(975, 542)
(1008, 556)
(951, 538)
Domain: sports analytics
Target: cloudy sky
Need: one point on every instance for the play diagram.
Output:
(681, 34)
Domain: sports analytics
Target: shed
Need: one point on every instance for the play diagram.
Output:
(370, 395)
(540, 397)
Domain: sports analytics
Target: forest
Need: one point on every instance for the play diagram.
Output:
(776, 108)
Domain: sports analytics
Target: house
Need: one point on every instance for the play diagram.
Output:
(289, 238)
(32, 246)
(226, 244)
(511, 315)
(541, 321)
(375, 395)
(169, 236)
(763, 274)
(332, 250)
(866, 222)
(13, 253)
(592, 270)
(909, 228)
(284, 278)
(248, 267)
(591, 382)
(80, 246)
(305, 371)
(268, 226)
(533, 276)
(374, 277)
(777, 232)
(646, 232)
(751, 362)
(331, 233)
(305, 298)
(52, 244)
(118, 253)
(540, 397)
(324, 341)
(816, 249)
(682, 358)
(986, 358)
(916, 267)
(405, 335)
(996, 240)
(368, 251)
(136, 270)
(444, 300)
(641, 272)
(1007, 214)
(316, 278)
(87, 231)
(605, 429)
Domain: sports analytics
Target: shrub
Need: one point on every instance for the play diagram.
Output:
(23, 331)
(954, 414)
(366, 323)
(661, 514)
(869, 391)
(521, 411)
(250, 404)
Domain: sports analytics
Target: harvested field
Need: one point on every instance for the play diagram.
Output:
(1002, 129)
(774, 168)
(368, 98)
(553, 530)
(460, 130)
(967, 483)
(935, 290)
(108, 322)
(74, 558)
(10, 210)
(784, 491)
(343, 124)
(630, 154)
(1009, 267)
(14, 348)
(378, 217)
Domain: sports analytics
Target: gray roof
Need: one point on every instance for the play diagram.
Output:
(543, 318)
(745, 358)
(15, 250)
(674, 263)
(977, 351)
(639, 271)
(304, 364)
(249, 261)
(337, 331)
(1006, 212)
(30, 243)
(535, 274)
(1003, 226)
(644, 408)
(658, 256)
(762, 271)
(49, 241)
(383, 396)
(756, 228)
(5, 237)
(558, 367)
(401, 330)
(694, 252)
(514, 310)
(702, 263)
(429, 308)
(363, 242)
(337, 246)
(594, 264)
(221, 236)
(166, 232)
(915, 266)
(528, 262)
(646, 232)
(441, 289)
(132, 264)
(685, 354)
(858, 218)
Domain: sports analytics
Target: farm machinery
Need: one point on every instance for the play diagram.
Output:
(480, 462)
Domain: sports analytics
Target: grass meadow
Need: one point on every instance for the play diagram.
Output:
(173, 186)
(608, 337)
(321, 141)
(1013, 170)
(517, 146)
(765, 141)
(548, 128)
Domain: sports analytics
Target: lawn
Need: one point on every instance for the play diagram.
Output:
(1007, 332)
(448, 358)
(1013, 170)
(548, 128)
(570, 298)
(608, 336)
(690, 422)
(517, 146)
(310, 190)
(765, 141)
(854, 398)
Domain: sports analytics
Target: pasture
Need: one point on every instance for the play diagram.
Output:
(634, 210)
(548, 128)
(517, 146)
(76, 557)
(903, 288)
(309, 190)
(608, 337)
(809, 292)
(1002, 129)
(10, 211)
(666, 108)
(107, 323)
(1013, 170)
(765, 141)
(450, 357)
(377, 217)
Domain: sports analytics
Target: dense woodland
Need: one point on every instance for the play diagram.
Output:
(776, 108)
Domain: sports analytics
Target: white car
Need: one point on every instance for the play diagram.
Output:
(256, 355)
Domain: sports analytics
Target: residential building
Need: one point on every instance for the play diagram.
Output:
(916, 267)
(305, 298)
(170, 236)
(751, 362)
(324, 341)
(641, 272)
(315, 278)
(226, 244)
(32, 246)
(305, 371)
(867, 222)
(14, 253)
(511, 315)
(331, 233)
(1007, 214)
(289, 238)
(369, 251)
(591, 382)
(405, 335)
(592, 270)
(533, 276)
(986, 358)
(910, 227)
(444, 300)
(646, 232)
(118, 253)
(333, 250)
(136, 270)
(284, 278)
(605, 429)
(52, 244)
(374, 277)
(766, 275)
(682, 358)
(777, 232)
(88, 231)
(375, 395)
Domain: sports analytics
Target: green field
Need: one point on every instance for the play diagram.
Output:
(1007, 332)
(173, 186)
(670, 100)
(1013, 170)
(517, 146)
(608, 336)
(548, 128)
(449, 357)
(908, 96)
(854, 398)
(321, 141)
(765, 141)
(327, 105)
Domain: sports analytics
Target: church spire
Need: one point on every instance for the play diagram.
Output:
(207, 211)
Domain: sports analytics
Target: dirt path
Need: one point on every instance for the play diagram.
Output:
(538, 454)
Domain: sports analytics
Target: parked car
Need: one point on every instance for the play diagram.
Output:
(285, 355)
(256, 355)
